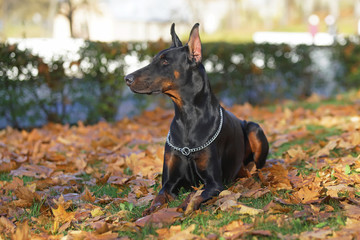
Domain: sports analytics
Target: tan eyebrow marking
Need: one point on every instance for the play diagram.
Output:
(176, 74)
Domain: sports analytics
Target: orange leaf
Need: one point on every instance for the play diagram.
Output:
(88, 196)
(305, 195)
(162, 217)
(6, 225)
(22, 232)
(61, 215)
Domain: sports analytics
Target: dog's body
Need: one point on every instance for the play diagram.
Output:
(206, 144)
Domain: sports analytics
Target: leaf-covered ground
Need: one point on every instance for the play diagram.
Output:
(93, 182)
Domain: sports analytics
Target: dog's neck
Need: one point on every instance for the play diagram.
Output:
(197, 114)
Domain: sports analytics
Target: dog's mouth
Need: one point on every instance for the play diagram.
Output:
(145, 91)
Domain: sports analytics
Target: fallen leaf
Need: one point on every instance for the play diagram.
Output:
(235, 229)
(61, 216)
(305, 195)
(228, 204)
(296, 154)
(352, 211)
(6, 225)
(194, 201)
(87, 196)
(316, 234)
(162, 217)
(97, 212)
(22, 232)
(243, 209)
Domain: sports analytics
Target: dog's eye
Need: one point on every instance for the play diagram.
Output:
(164, 62)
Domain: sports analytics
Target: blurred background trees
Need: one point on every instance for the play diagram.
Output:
(239, 19)
(74, 68)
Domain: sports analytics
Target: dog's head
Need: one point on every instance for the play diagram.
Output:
(170, 69)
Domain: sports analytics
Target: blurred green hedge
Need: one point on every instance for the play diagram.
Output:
(33, 92)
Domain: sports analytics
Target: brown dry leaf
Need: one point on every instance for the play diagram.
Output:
(104, 179)
(352, 211)
(87, 196)
(78, 234)
(243, 209)
(7, 165)
(145, 200)
(63, 227)
(26, 196)
(118, 180)
(61, 216)
(255, 193)
(273, 207)
(100, 227)
(22, 232)
(235, 229)
(61, 201)
(165, 233)
(227, 199)
(305, 195)
(296, 154)
(16, 182)
(37, 171)
(333, 191)
(228, 204)
(6, 225)
(279, 177)
(194, 200)
(325, 151)
(175, 232)
(162, 217)
(355, 138)
(316, 234)
(350, 231)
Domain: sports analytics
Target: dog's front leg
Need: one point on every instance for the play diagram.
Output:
(170, 178)
(208, 167)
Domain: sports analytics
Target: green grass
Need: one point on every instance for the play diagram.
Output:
(208, 222)
(106, 189)
(180, 198)
(8, 178)
(321, 132)
(134, 212)
(85, 176)
(27, 179)
(299, 225)
(284, 147)
(33, 212)
(258, 203)
(304, 169)
(5, 177)
(144, 233)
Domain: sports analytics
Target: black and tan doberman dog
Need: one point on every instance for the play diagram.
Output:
(206, 144)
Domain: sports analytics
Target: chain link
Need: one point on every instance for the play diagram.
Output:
(186, 150)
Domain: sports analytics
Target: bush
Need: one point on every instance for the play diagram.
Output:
(33, 92)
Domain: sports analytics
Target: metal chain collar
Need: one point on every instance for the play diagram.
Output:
(186, 150)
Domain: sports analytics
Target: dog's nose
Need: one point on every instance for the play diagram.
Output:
(129, 79)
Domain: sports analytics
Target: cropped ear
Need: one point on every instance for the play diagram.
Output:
(194, 44)
(175, 39)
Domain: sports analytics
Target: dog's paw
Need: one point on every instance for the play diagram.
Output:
(149, 210)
